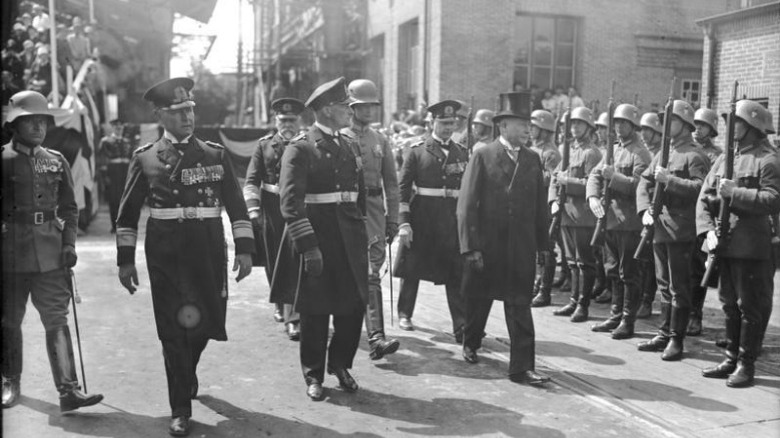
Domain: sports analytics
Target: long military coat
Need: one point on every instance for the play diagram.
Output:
(186, 258)
(434, 254)
(315, 162)
(503, 213)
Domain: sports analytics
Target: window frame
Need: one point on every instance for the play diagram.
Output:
(554, 66)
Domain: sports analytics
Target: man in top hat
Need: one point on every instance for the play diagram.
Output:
(114, 155)
(186, 182)
(39, 217)
(323, 205)
(429, 230)
(503, 221)
(261, 193)
(381, 189)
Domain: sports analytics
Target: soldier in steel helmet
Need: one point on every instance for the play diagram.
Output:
(39, 217)
(631, 158)
(674, 234)
(186, 183)
(745, 266)
(382, 200)
(482, 128)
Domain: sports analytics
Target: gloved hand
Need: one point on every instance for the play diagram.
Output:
(405, 235)
(554, 207)
(128, 276)
(256, 218)
(391, 229)
(647, 218)
(312, 262)
(474, 259)
(68, 256)
(712, 240)
(595, 206)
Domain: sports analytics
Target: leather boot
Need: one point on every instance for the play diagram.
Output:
(723, 369)
(606, 295)
(375, 326)
(601, 277)
(545, 276)
(648, 288)
(750, 336)
(63, 369)
(568, 309)
(630, 306)
(563, 282)
(660, 340)
(679, 324)
(587, 279)
(698, 295)
(12, 366)
(615, 311)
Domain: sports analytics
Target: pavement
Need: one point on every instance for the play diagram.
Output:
(251, 386)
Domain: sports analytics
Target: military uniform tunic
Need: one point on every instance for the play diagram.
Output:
(114, 156)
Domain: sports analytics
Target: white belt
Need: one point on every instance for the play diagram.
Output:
(186, 213)
(442, 193)
(119, 160)
(270, 188)
(331, 198)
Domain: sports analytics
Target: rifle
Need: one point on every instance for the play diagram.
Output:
(609, 159)
(722, 229)
(555, 223)
(658, 194)
(469, 129)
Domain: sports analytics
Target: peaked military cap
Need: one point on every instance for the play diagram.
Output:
(515, 104)
(171, 94)
(445, 110)
(331, 92)
(287, 107)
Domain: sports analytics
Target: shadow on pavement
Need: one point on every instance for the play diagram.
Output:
(562, 349)
(441, 416)
(646, 390)
(243, 423)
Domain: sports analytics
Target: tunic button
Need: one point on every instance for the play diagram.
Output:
(175, 192)
(338, 186)
(444, 177)
(167, 166)
(199, 165)
(180, 220)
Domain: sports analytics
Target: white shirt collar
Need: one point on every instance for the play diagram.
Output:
(170, 137)
(506, 143)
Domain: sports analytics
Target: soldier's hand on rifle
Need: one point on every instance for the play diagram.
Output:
(242, 264)
(69, 257)
(405, 235)
(554, 207)
(712, 240)
(726, 187)
(647, 219)
(256, 218)
(661, 174)
(391, 230)
(474, 259)
(595, 206)
(312, 262)
(128, 276)
(607, 172)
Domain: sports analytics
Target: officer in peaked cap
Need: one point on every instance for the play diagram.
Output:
(323, 204)
(428, 233)
(261, 193)
(39, 218)
(503, 221)
(187, 183)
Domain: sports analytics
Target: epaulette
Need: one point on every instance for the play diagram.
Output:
(53, 151)
(349, 135)
(417, 143)
(299, 137)
(268, 136)
(214, 145)
(143, 148)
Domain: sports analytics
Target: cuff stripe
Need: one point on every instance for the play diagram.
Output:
(126, 237)
(242, 229)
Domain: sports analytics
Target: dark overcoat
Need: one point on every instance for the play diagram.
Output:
(503, 213)
(316, 163)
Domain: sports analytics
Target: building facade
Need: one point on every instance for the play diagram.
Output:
(425, 51)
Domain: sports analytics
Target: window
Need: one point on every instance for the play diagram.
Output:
(408, 64)
(545, 51)
(691, 91)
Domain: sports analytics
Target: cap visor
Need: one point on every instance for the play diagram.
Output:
(176, 106)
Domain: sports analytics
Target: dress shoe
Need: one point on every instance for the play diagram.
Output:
(721, 370)
(605, 326)
(293, 331)
(12, 390)
(194, 387)
(604, 297)
(530, 377)
(180, 426)
(278, 316)
(74, 399)
(658, 343)
(381, 347)
(625, 330)
(566, 310)
(314, 391)
(580, 314)
(470, 355)
(742, 377)
(346, 382)
(674, 350)
(405, 324)
(541, 299)
(645, 311)
(694, 326)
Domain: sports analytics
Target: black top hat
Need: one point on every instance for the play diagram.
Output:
(515, 104)
(287, 107)
(171, 94)
(444, 110)
(328, 93)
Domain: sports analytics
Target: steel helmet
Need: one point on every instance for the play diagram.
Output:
(27, 103)
(629, 112)
(708, 117)
(584, 114)
(543, 120)
(484, 117)
(754, 114)
(652, 121)
(363, 91)
(684, 111)
(603, 120)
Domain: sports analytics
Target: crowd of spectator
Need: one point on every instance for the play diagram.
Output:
(27, 54)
